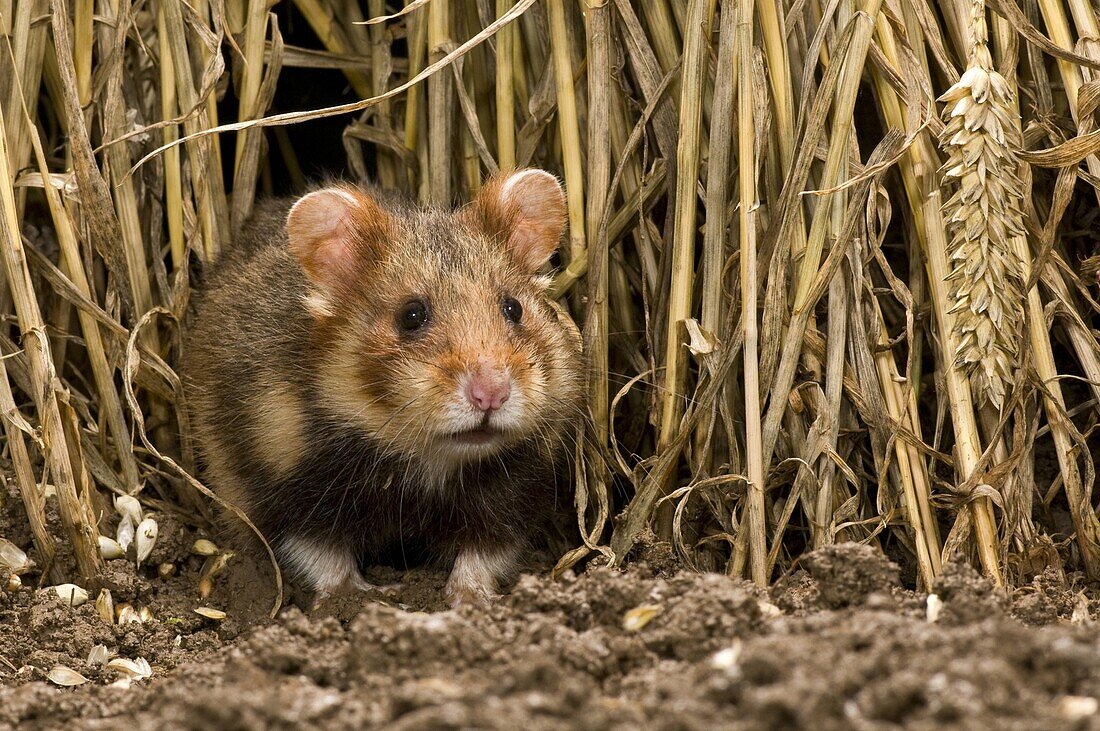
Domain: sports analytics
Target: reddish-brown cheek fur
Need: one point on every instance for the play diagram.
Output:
(370, 344)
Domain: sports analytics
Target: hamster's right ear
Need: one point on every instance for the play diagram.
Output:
(335, 233)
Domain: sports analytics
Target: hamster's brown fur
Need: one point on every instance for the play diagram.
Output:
(348, 437)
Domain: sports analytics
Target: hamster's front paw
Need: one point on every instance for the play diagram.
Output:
(465, 593)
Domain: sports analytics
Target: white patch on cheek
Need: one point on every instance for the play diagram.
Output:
(321, 567)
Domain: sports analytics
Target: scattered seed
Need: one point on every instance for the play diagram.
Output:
(203, 547)
(215, 614)
(727, 658)
(934, 606)
(136, 669)
(211, 568)
(639, 617)
(1081, 613)
(109, 548)
(769, 610)
(166, 570)
(1078, 707)
(125, 532)
(105, 606)
(145, 614)
(98, 655)
(66, 677)
(127, 614)
(13, 558)
(145, 538)
(14, 583)
(128, 507)
(71, 593)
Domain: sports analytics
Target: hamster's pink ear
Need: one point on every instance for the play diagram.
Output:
(526, 209)
(335, 233)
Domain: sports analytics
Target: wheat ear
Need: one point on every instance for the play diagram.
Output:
(980, 141)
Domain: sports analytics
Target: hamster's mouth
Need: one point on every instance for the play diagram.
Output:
(483, 434)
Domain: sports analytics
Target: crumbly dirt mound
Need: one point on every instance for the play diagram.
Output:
(846, 574)
(839, 645)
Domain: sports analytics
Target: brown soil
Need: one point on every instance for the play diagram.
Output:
(838, 644)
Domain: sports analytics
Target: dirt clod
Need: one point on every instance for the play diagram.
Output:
(847, 573)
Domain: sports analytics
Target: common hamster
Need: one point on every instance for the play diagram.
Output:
(369, 378)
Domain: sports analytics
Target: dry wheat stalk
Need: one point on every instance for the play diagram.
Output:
(980, 140)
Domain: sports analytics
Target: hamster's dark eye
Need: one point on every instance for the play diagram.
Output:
(512, 309)
(413, 315)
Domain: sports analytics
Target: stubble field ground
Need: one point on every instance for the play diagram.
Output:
(838, 643)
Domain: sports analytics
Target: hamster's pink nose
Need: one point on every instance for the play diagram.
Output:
(488, 393)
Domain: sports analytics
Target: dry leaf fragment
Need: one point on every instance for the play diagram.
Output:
(700, 341)
(64, 676)
(639, 617)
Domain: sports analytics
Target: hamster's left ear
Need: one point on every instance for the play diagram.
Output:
(526, 209)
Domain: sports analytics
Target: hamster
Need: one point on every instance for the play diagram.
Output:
(370, 379)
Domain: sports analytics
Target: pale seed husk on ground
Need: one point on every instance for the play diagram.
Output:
(98, 655)
(65, 676)
(638, 617)
(210, 613)
(105, 606)
(109, 548)
(126, 614)
(13, 558)
(933, 606)
(125, 532)
(71, 593)
(129, 506)
(203, 547)
(145, 538)
(136, 669)
(210, 569)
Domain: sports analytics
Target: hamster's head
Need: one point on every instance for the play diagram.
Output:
(434, 330)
